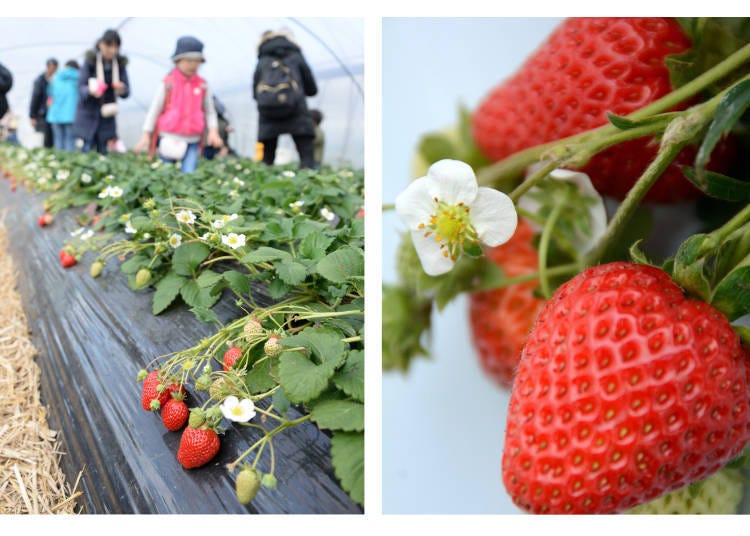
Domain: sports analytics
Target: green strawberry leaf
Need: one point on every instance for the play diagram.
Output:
(623, 123)
(265, 254)
(437, 146)
(237, 281)
(348, 458)
(346, 415)
(719, 186)
(188, 257)
(302, 379)
(205, 315)
(259, 379)
(280, 401)
(290, 272)
(166, 291)
(324, 342)
(134, 263)
(728, 112)
(314, 245)
(351, 377)
(277, 289)
(342, 265)
(713, 40)
(406, 320)
(208, 278)
(688, 269)
(732, 295)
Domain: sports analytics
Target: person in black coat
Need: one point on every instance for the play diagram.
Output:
(38, 107)
(281, 46)
(103, 78)
(6, 82)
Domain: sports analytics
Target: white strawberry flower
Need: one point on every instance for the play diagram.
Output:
(233, 240)
(85, 178)
(88, 234)
(105, 193)
(78, 231)
(327, 214)
(62, 174)
(233, 194)
(238, 181)
(237, 410)
(175, 240)
(597, 210)
(218, 224)
(129, 227)
(156, 164)
(186, 216)
(288, 173)
(115, 192)
(449, 214)
(230, 217)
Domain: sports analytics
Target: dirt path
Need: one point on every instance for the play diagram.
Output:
(31, 481)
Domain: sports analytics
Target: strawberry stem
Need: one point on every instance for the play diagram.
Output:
(633, 200)
(544, 244)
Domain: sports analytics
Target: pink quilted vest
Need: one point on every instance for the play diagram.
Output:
(183, 105)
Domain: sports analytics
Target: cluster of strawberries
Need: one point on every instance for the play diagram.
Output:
(200, 442)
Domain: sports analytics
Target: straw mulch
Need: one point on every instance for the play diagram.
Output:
(31, 481)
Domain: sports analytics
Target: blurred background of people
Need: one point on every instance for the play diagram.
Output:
(39, 103)
(103, 79)
(320, 139)
(6, 83)
(280, 48)
(63, 93)
(9, 127)
(225, 128)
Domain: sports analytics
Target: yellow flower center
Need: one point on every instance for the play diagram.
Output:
(451, 227)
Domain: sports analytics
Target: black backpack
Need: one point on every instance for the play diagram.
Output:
(277, 92)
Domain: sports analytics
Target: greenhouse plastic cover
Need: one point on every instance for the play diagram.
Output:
(93, 336)
(333, 47)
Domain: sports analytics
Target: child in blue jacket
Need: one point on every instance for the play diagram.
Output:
(63, 92)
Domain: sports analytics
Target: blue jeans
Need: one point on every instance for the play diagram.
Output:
(96, 141)
(190, 160)
(62, 134)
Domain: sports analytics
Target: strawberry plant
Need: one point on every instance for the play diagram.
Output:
(626, 365)
(247, 233)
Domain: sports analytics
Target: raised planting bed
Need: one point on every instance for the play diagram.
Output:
(96, 334)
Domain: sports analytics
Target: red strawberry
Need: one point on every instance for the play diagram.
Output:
(149, 391)
(45, 219)
(231, 356)
(586, 68)
(174, 413)
(626, 390)
(13, 187)
(502, 318)
(67, 260)
(198, 446)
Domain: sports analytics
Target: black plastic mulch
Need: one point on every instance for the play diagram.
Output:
(93, 336)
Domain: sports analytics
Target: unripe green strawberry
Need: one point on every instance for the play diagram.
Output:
(96, 268)
(203, 383)
(268, 481)
(272, 348)
(142, 278)
(247, 485)
(719, 494)
(252, 330)
(223, 387)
